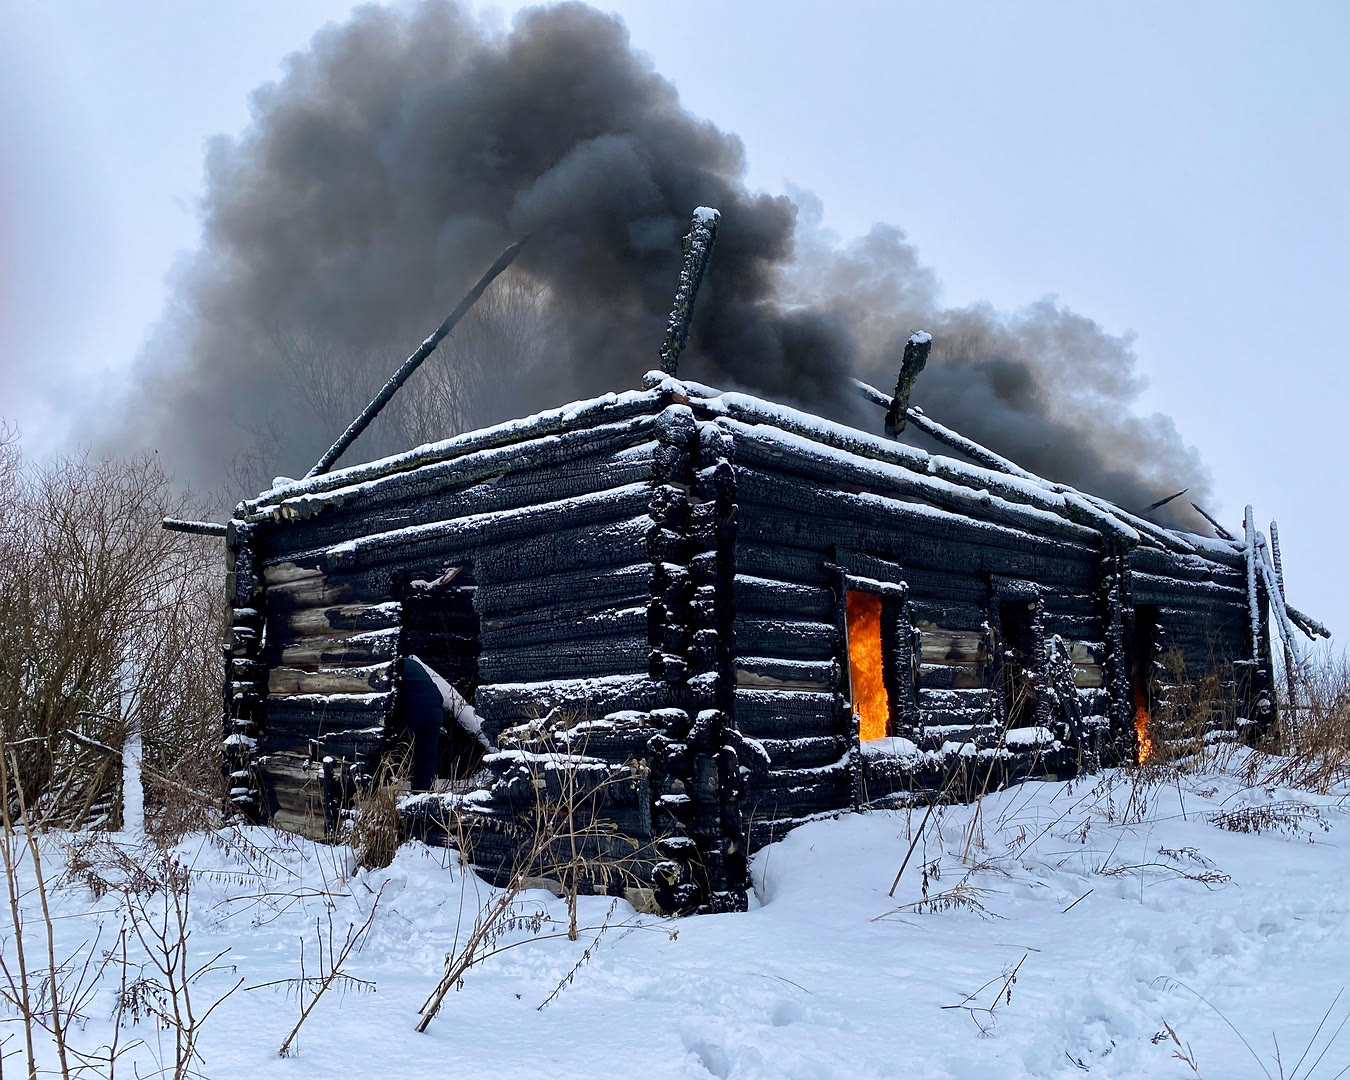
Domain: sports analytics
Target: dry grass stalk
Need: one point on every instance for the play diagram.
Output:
(565, 844)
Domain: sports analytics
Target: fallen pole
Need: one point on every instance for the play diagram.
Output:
(505, 259)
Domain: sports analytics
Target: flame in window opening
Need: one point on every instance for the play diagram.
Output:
(864, 661)
(1144, 743)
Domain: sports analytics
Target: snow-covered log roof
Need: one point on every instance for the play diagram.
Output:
(988, 487)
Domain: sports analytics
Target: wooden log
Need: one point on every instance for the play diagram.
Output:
(942, 645)
(343, 620)
(785, 638)
(348, 650)
(540, 596)
(464, 534)
(625, 654)
(765, 448)
(771, 673)
(768, 596)
(765, 559)
(328, 525)
(579, 697)
(763, 523)
(568, 624)
(618, 543)
(1154, 589)
(805, 752)
(351, 680)
(612, 408)
(785, 713)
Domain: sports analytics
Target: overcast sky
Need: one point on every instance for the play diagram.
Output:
(1180, 171)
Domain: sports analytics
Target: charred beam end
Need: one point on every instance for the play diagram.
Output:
(916, 356)
(200, 528)
(505, 259)
(698, 247)
(1219, 530)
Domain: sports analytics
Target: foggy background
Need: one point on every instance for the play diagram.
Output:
(1182, 175)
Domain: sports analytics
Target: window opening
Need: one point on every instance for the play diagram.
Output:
(434, 708)
(1019, 687)
(871, 703)
(1141, 677)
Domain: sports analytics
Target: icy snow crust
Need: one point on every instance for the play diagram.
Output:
(817, 981)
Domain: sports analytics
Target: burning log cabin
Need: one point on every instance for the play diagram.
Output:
(718, 617)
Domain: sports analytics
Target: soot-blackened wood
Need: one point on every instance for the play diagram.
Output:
(626, 654)
(496, 495)
(784, 526)
(384, 487)
(767, 596)
(785, 713)
(758, 447)
(406, 545)
(540, 595)
(619, 543)
(568, 624)
(785, 638)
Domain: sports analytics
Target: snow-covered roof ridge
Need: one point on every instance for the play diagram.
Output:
(991, 481)
(994, 475)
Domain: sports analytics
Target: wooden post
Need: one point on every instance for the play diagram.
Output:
(698, 247)
(918, 346)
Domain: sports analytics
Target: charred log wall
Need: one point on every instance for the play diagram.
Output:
(599, 586)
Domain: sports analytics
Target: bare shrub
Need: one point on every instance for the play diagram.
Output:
(1315, 755)
(111, 626)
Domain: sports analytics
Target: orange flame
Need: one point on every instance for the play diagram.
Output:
(864, 661)
(1144, 743)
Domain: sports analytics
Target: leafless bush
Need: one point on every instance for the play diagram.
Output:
(1288, 818)
(111, 625)
(1315, 754)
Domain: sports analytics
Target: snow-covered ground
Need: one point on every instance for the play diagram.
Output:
(1122, 909)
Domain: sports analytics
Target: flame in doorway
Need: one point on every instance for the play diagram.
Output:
(1144, 743)
(870, 702)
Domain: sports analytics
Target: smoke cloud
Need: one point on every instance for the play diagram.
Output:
(400, 154)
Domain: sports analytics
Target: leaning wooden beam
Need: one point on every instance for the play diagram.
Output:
(1308, 624)
(698, 247)
(198, 528)
(505, 259)
(1254, 610)
(1293, 652)
(1277, 562)
(1075, 507)
(1222, 533)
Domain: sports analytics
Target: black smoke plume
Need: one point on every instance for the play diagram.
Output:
(397, 157)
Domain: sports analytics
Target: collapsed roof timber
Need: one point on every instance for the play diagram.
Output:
(665, 600)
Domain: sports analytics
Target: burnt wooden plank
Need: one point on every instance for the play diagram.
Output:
(565, 658)
(534, 598)
(785, 713)
(285, 681)
(785, 638)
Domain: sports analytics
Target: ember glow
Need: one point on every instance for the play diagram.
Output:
(1144, 743)
(864, 661)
